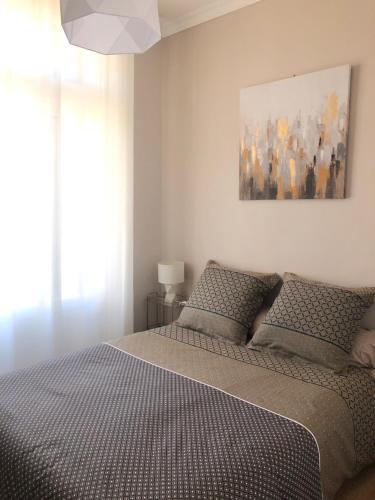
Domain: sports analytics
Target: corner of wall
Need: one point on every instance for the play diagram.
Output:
(147, 179)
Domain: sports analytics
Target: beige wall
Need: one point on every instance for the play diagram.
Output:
(147, 179)
(203, 70)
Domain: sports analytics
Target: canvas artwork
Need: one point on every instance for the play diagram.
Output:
(293, 142)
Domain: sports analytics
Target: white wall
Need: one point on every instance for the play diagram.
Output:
(202, 72)
(204, 69)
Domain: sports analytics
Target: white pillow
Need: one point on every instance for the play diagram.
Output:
(368, 321)
(363, 350)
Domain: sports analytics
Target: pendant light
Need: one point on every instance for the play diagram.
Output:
(111, 26)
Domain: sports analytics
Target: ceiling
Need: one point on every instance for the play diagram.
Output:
(173, 9)
(178, 15)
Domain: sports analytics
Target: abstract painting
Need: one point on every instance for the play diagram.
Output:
(293, 142)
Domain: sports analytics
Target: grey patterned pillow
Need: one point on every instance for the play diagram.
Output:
(225, 301)
(314, 321)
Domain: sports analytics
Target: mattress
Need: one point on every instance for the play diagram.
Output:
(171, 413)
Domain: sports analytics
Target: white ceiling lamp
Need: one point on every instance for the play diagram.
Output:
(111, 26)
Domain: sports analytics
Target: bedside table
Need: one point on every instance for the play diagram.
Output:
(161, 313)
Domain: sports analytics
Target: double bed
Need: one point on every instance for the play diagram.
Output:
(194, 411)
(171, 413)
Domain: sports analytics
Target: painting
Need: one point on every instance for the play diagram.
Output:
(293, 141)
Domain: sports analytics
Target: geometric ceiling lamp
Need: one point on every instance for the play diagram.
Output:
(111, 26)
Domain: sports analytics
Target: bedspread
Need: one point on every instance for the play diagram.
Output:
(173, 414)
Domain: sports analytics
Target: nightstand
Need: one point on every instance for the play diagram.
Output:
(160, 312)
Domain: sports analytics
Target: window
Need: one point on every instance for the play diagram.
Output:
(65, 189)
(62, 156)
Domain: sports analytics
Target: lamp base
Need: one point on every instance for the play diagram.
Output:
(170, 294)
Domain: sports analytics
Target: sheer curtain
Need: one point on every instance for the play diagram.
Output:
(65, 189)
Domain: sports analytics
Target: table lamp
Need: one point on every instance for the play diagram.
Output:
(170, 273)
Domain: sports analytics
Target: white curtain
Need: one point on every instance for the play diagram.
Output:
(65, 189)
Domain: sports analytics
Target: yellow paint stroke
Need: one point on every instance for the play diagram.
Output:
(280, 192)
(290, 141)
(253, 153)
(293, 172)
(287, 184)
(301, 153)
(277, 153)
(258, 175)
(321, 181)
(282, 128)
(269, 130)
(330, 113)
(322, 136)
(245, 154)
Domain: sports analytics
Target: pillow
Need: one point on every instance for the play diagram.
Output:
(363, 350)
(315, 321)
(368, 322)
(259, 318)
(225, 301)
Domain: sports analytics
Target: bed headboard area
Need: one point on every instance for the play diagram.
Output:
(203, 217)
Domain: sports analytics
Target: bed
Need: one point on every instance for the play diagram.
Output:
(171, 413)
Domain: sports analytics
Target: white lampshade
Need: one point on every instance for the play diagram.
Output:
(171, 273)
(111, 26)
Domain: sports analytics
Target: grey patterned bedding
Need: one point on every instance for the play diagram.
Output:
(338, 410)
(230, 424)
(104, 424)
